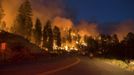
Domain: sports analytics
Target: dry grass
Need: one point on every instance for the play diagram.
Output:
(120, 63)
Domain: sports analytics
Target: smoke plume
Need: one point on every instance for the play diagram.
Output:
(124, 28)
(43, 9)
(63, 23)
(87, 28)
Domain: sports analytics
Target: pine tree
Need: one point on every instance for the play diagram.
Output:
(23, 24)
(57, 36)
(38, 32)
(128, 43)
(48, 36)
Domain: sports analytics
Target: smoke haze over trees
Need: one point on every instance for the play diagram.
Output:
(54, 27)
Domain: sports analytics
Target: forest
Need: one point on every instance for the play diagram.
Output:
(53, 39)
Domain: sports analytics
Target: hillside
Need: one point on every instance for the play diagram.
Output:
(16, 47)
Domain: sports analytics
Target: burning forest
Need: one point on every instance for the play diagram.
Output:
(61, 27)
(51, 27)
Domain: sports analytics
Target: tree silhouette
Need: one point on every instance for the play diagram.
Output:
(69, 38)
(104, 43)
(38, 32)
(128, 44)
(92, 44)
(57, 36)
(23, 23)
(48, 36)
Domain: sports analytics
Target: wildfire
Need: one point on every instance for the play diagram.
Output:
(66, 46)
(71, 35)
(76, 39)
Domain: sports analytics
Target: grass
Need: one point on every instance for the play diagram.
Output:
(119, 63)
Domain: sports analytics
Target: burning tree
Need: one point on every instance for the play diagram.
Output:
(57, 36)
(48, 36)
(23, 23)
(37, 32)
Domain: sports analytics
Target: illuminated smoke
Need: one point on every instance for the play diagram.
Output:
(124, 28)
(87, 28)
(43, 9)
(63, 23)
(10, 10)
(48, 9)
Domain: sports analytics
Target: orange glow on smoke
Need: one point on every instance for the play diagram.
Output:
(62, 23)
(86, 28)
(124, 28)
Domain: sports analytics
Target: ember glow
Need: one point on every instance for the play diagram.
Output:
(3, 46)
